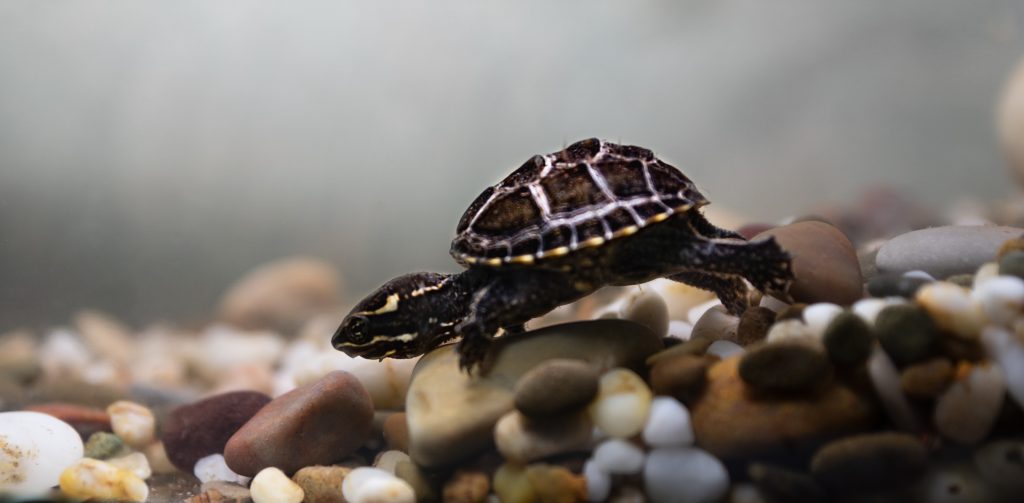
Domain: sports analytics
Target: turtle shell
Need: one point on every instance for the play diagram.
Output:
(584, 196)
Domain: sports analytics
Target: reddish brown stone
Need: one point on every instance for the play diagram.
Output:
(197, 430)
(85, 420)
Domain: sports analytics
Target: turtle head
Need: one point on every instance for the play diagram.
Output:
(405, 317)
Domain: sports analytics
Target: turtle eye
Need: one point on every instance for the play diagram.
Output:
(357, 329)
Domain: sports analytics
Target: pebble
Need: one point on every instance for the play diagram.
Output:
(907, 333)
(696, 312)
(668, 424)
(724, 349)
(281, 295)
(512, 486)
(555, 484)
(103, 445)
(681, 330)
(466, 487)
(424, 488)
(214, 467)
(1002, 299)
(622, 403)
(679, 297)
(754, 324)
(783, 484)
(271, 485)
(84, 419)
(19, 357)
(684, 475)
(886, 381)
(716, 324)
(787, 330)
(818, 316)
(986, 272)
(1012, 264)
(1010, 116)
(1001, 464)
(34, 449)
(895, 284)
(966, 411)
(785, 367)
(388, 460)
(520, 440)
(314, 424)
(577, 383)
(964, 280)
(927, 379)
(848, 340)
(446, 407)
(599, 482)
(135, 462)
(132, 422)
(370, 485)
(386, 381)
(649, 309)
(682, 376)
(321, 484)
(869, 462)
(824, 262)
(221, 492)
(952, 308)
(94, 479)
(730, 423)
(157, 458)
(105, 336)
(1008, 352)
(396, 432)
(197, 430)
(221, 349)
(772, 304)
(869, 308)
(944, 251)
(953, 483)
(618, 457)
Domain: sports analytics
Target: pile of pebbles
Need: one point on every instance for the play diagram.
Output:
(895, 371)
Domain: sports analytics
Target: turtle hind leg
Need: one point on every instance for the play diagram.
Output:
(730, 289)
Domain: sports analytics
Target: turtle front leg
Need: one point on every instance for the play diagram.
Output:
(764, 263)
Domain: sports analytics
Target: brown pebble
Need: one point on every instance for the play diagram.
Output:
(321, 484)
(870, 462)
(196, 430)
(396, 432)
(682, 376)
(691, 347)
(792, 312)
(927, 379)
(467, 487)
(556, 484)
(754, 325)
(785, 367)
(825, 263)
(957, 348)
(556, 387)
(85, 420)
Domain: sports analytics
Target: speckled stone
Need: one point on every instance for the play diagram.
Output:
(1012, 264)
(944, 251)
(194, 431)
(103, 445)
(869, 462)
(907, 333)
(824, 262)
(754, 324)
(556, 387)
(321, 484)
(927, 379)
(848, 340)
(785, 367)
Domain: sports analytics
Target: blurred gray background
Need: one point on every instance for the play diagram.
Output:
(150, 153)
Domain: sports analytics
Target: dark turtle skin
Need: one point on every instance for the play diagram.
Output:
(559, 228)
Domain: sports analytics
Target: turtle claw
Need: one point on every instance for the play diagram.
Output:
(472, 350)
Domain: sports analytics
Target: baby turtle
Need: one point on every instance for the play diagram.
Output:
(558, 228)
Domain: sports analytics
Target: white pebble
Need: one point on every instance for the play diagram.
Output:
(213, 467)
(818, 316)
(886, 381)
(724, 349)
(647, 308)
(668, 424)
(986, 272)
(1001, 298)
(952, 308)
(966, 411)
(869, 308)
(697, 311)
(788, 330)
(680, 329)
(1008, 352)
(94, 479)
(919, 274)
(371, 485)
(271, 485)
(599, 482)
(135, 462)
(622, 404)
(34, 449)
(684, 475)
(619, 457)
(388, 460)
(132, 422)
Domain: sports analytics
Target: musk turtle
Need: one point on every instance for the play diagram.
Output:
(560, 227)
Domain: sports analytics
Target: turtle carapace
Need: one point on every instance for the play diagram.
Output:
(558, 228)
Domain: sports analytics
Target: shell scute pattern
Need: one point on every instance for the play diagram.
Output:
(583, 196)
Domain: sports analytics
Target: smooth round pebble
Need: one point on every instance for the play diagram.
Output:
(825, 263)
(196, 430)
(684, 475)
(927, 379)
(788, 330)
(1008, 351)
(952, 308)
(818, 316)
(943, 251)
(848, 340)
(894, 284)
(682, 376)
(599, 482)
(1002, 299)
(388, 460)
(869, 308)
(870, 461)
(135, 462)
(619, 457)
(622, 403)
(678, 329)
(696, 312)
(271, 485)
(34, 449)
(556, 387)
(724, 349)
(966, 411)
(511, 484)
(521, 440)
(370, 485)
(785, 367)
(907, 333)
(885, 379)
(1001, 464)
(1012, 264)
(754, 324)
(213, 467)
(321, 484)
(103, 445)
(94, 479)
(555, 483)
(715, 324)
(132, 422)
(668, 424)
(953, 483)
(647, 308)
